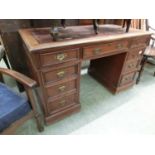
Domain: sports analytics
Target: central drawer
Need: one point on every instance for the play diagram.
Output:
(47, 59)
(91, 51)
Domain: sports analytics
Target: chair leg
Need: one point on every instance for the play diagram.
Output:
(128, 25)
(6, 61)
(154, 73)
(1, 78)
(123, 23)
(95, 25)
(63, 23)
(39, 122)
(141, 69)
(33, 102)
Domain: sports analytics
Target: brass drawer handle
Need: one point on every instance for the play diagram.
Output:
(61, 74)
(130, 65)
(97, 51)
(62, 88)
(62, 103)
(119, 46)
(110, 44)
(61, 56)
(126, 79)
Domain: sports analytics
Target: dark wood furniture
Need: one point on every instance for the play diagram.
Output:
(3, 56)
(128, 23)
(29, 86)
(90, 21)
(149, 52)
(56, 31)
(12, 43)
(115, 59)
(95, 23)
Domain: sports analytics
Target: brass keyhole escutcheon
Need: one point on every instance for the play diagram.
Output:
(130, 65)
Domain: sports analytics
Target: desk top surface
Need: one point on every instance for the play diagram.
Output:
(40, 38)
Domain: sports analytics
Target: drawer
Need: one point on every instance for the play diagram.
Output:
(139, 42)
(97, 50)
(130, 66)
(61, 88)
(135, 54)
(51, 58)
(62, 103)
(127, 78)
(59, 73)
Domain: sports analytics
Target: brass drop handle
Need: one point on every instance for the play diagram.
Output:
(62, 103)
(62, 88)
(119, 45)
(61, 74)
(130, 65)
(126, 79)
(97, 51)
(110, 44)
(61, 56)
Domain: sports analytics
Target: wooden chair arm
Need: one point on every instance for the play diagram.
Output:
(26, 81)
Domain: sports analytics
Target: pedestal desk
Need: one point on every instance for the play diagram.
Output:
(114, 56)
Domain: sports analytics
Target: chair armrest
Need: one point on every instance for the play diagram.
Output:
(26, 81)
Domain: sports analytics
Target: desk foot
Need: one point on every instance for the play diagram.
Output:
(62, 114)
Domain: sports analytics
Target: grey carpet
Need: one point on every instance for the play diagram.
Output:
(99, 106)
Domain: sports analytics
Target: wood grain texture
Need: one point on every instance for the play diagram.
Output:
(39, 39)
(115, 59)
(26, 81)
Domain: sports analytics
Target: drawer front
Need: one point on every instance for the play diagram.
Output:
(135, 54)
(59, 57)
(127, 78)
(139, 42)
(61, 103)
(60, 89)
(130, 66)
(97, 50)
(59, 74)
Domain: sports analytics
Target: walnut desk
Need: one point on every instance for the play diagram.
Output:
(115, 59)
